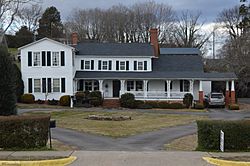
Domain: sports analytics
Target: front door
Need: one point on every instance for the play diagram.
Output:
(116, 88)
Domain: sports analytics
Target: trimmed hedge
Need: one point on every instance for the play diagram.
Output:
(127, 100)
(28, 98)
(233, 107)
(95, 98)
(199, 106)
(53, 102)
(237, 135)
(24, 132)
(64, 100)
(188, 100)
(165, 104)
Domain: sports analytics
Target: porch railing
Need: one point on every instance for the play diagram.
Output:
(157, 94)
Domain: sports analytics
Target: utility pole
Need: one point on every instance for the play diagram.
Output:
(214, 43)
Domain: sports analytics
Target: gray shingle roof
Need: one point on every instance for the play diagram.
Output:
(180, 51)
(115, 49)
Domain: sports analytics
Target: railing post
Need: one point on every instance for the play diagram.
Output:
(191, 87)
(122, 87)
(145, 88)
(168, 88)
(101, 86)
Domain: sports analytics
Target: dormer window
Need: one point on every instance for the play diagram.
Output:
(87, 65)
(140, 65)
(122, 65)
(104, 65)
(55, 58)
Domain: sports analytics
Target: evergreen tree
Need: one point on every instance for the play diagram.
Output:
(50, 24)
(18, 82)
(7, 84)
(23, 36)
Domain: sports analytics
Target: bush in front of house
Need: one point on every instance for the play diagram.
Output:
(236, 135)
(95, 98)
(24, 132)
(176, 106)
(153, 104)
(28, 98)
(233, 107)
(64, 100)
(164, 104)
(127, 100)
(188, 100)
(53, 102)
(199, 106)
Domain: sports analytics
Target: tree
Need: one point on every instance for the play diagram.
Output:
(50, 24)
(29, 16)
(19, 85)
(8, 12)
(7, 84)
(23, 36)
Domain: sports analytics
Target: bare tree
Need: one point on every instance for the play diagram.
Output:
(29, 16)
(188, 32)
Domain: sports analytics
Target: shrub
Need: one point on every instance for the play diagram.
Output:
(81, 97)
(144, 106)
(188, 100)
(234, 107)
(154, 104)
(236, 135)
(64, 100)
(40, 101)
(176, 106)
(164, 104)
(7, 84)
(95, 98)
(28, 98)
(139, 103)
(53, 102)
(199, 106)
(24, 131)
(127, 100)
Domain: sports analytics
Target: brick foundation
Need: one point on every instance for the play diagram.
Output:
(232, 97)
(111, 103)
(201, 96)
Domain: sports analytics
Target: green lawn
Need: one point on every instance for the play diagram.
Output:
(141, 122)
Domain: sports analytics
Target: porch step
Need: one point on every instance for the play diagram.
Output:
(111, 103)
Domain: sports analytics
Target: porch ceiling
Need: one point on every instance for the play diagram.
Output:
(155, 75)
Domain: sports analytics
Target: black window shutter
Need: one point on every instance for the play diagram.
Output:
(43, 85)
(62, 58)
(30, 85)
(63, 85)
(99, 65)
(43, 58)
(135, 65)
(92, 64)
(80, 85)
(171, 85)
(82, 64)
(127, 65)
(29, 58)
(117, 65)
(166, 86)
(49, 85)
(145, 65)
(181, 85)
(110, 65)
(48, 58)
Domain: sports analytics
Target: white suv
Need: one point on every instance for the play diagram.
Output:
(215, 99)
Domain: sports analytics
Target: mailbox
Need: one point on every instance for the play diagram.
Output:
(52, 123)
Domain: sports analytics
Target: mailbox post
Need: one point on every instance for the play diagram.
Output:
(52, 124)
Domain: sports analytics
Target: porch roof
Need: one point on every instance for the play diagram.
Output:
(155, 75)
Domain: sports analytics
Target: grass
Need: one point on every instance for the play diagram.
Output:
(186, 143)
(141, 122)
(32, 106)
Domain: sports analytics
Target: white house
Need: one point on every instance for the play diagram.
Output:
(51, 69)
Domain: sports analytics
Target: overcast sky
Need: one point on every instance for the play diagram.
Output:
(209, 8)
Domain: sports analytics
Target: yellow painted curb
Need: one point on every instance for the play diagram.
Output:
(56, 162)
(220, 162)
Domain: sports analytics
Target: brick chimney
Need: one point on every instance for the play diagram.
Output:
(74, 38)
(154, 41)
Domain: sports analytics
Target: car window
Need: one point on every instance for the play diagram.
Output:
(219, 96)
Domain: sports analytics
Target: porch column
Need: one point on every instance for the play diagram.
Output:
(122, 87)
(201, 94)
(101, 86)
(168, 88)
(227, 100)
(232, 92)
(191, 86)
(145, 88)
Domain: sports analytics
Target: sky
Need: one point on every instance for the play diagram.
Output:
(209, 8)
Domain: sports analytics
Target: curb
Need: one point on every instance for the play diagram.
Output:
(220, 162)
(56, 162)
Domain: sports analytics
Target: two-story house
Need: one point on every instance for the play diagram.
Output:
(51, 69)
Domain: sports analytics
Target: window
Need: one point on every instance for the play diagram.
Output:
(55, 58)
(139, 85)
(130, 85)
(186, 86)
(96, 85)
(37, 85)
(88, 85)
(122, 65)
(104, 65)
(37, 59)
(56, 85)
(87, 65)
(140, 65)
